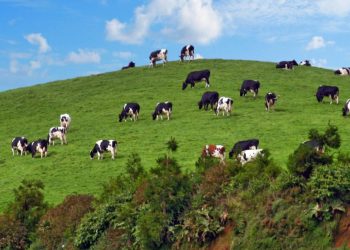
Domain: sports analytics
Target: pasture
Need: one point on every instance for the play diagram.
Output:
(94, 103)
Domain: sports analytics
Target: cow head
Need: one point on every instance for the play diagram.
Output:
(92, 154)
(243, 92)
(200, 104)
(121, 116)
(154, 115)
(319, 96)
(184, 86)
(345, 111)
(337, 72)
(294, 63)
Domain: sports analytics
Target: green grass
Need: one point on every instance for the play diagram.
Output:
(94, 103)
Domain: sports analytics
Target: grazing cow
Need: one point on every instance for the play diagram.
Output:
(270, 100)
(224, 105)
(57, 133)
(208, 98)
(197, 76)
(249, 85)
(249, 155)
(331, 91)
(38, 146)
(286, 64)
(345, 71)
(162, 108)
(130, 65)
(243, 145)
(305, 63)
(158, 55)
(315, 145)
(346, 108)
(130, 109)
(19, 144)
(102, 146)
(65, 120)
(187, 52)
(211, 150)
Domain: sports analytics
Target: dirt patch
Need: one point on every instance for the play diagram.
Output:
(223, 241)
(343, 235)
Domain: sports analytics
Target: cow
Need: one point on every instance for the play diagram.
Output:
(197, 76)
(208, 98)
(286, 64)
(57, 133)
(345, 71)
(131, 110)
(40, 146)
(19, 144)
(249, 155)
(249, 85)
(102, 146)
(187, 52)
(331, 91)
(305, 63)
(315, 145)
(243, 145)
(346, 108)
(130, 65)
(216, 151)
(224, 105)
(65, 120)
(270, 100)
(162, 108)
(158, 55)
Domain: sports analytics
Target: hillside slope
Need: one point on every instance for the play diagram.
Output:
(94, 103)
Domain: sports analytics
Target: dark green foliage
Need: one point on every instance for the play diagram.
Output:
(134, 167)
(172, 144)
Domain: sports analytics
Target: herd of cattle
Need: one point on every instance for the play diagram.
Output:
(244, 151)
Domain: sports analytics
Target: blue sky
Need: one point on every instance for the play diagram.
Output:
(43, 40)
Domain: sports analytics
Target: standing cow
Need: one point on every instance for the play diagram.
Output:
(346, 108)
(270, 100)
(187, 52)
(162, 108)
(249, 85)
(65, 120)
(243, 145)
(19, 144)
(131, 110)
(40, 146)
(345, 71)
(216, 151)
(57, 133)
(102, 146)
(197, 76)
(208, 97)
(158, 55)
(225, 105)
(331, 91)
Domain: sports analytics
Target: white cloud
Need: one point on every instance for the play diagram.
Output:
(198, 56)
(339, 8)
(185, 20)
(84, 56)
(38, 39)
(318, 42)
(319, 62)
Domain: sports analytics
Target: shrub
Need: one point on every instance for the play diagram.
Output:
(13, 234)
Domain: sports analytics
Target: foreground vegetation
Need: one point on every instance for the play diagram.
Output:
(258, 205)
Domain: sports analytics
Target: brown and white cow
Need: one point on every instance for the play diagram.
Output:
(216, 151)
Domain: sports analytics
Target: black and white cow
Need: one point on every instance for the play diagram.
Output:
(158, 55)
(40, 146)
(57, 133)
(345, 71)
(249, 85)
(130, 65)
(19, 144)
(197, 76)
(249, 155)
(65, 120)
(162, 108)
(331, 91)
(243, 145)
(102, 146)
(315, 145)
(270, 100)
(131, 110)
(187, 52)
(346, 108)
(225, 105)
(305, 63)
(208, 97)
(286, 64)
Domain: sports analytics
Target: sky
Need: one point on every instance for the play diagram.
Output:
(47, 40)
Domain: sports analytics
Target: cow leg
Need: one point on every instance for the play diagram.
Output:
(13, 152)
(207, 85)
(98, 155)
(337, 99)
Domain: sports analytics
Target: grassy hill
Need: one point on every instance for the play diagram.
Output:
(94, 103)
